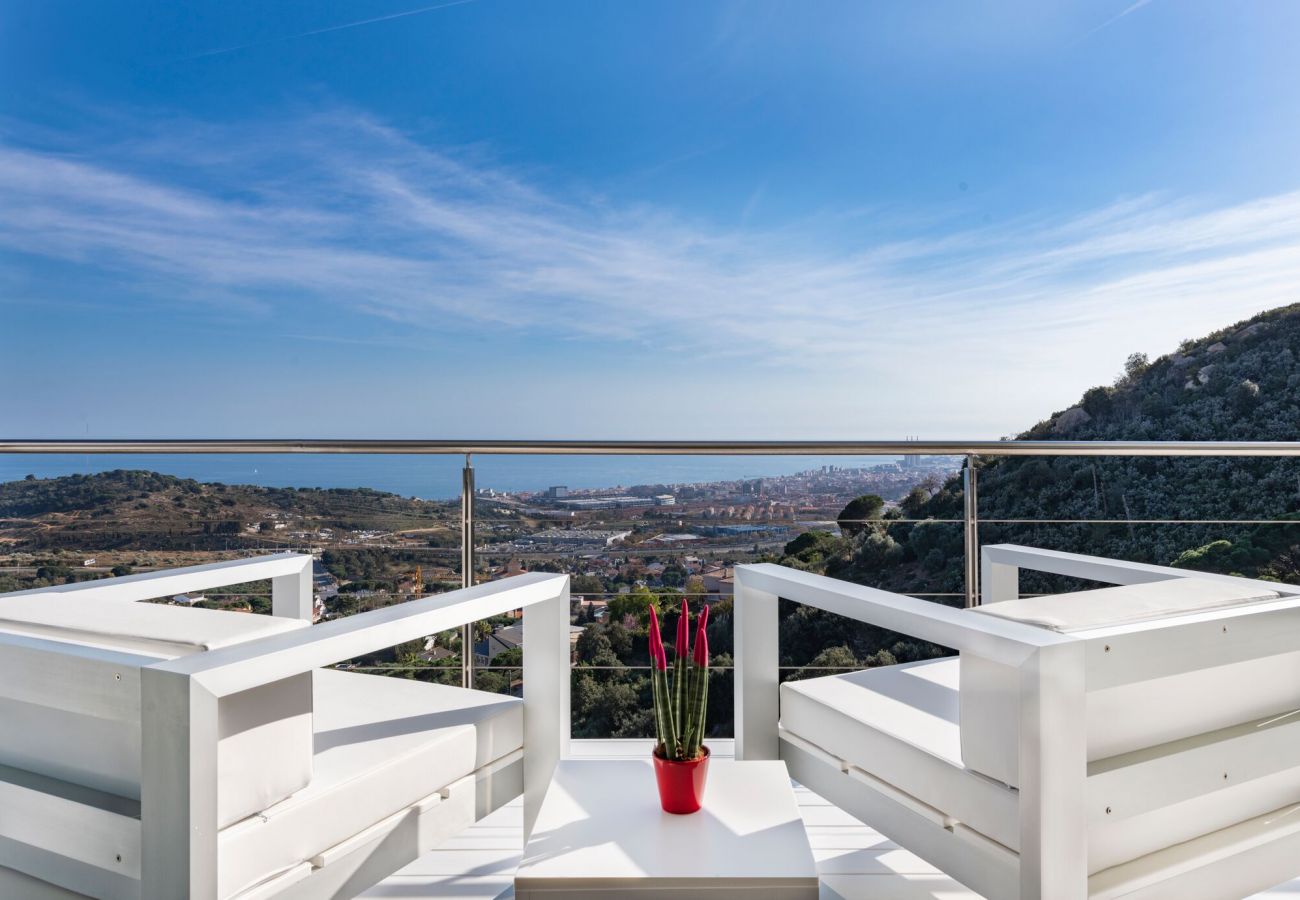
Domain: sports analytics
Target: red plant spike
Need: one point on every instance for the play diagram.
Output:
(684, 633)
(658, 658)
(701, 655)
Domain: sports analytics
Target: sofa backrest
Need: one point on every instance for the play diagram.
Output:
(1133, 715)
(70, 698)
(1194, 730)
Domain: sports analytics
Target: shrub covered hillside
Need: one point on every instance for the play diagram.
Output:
(1240, 383)
(150, 511)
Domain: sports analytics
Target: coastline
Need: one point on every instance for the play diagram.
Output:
(432, 477)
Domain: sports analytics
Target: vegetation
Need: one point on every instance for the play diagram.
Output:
(1240, 383)
(130, 509)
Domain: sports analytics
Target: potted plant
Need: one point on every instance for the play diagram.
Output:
(681, 761)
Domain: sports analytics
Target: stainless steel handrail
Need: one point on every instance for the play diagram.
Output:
(969, 450)
(666, 448)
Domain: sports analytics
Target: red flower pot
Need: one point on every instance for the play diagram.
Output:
(681, 783)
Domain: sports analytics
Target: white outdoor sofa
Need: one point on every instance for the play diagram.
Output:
(160, 752)
(1140, 741)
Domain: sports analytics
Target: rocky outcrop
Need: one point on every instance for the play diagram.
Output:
(1248, 332)
(1070, 419)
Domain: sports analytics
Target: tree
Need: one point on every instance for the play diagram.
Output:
(810, 549)
(635, 605)
(673, 576)
(610, 705)
(593, 643)
(831, 661)
(620, 639)
(876, 550)
(852, 519)
(914, 503)
(1134, 368)
(586, 584)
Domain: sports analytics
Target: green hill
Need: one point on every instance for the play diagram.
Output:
(152, 511)
(1239, 383)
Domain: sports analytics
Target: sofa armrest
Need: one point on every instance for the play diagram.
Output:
(757, 681)
(1050, 666)
(1000, 564)
(290, 575)
(180, 697)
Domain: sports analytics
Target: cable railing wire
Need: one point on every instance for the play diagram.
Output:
(968, 451)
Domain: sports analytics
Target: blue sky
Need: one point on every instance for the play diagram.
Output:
(503, 218)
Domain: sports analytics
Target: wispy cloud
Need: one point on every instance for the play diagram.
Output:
(354, 215)
(1128, 10)
(327, 30)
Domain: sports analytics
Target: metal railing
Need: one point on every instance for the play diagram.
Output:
(970, 451)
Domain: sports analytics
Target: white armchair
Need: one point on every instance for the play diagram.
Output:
(1139, 741)
(157, 752)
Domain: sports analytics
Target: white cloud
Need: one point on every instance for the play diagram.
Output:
(998, 325)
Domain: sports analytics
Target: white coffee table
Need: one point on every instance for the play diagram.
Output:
(601, 833)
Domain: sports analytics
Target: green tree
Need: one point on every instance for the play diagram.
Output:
(635, 605)
(811, 549)
(673, 575)
(860, 510)
(831, 661)
(593, 644)
(586, 584)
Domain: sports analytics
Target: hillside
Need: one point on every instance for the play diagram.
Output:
(153, 511)
(1239, 383)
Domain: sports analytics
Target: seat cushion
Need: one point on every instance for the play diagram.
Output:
(381, 744)
(1126, 605)
(146, 628)
(900, 724)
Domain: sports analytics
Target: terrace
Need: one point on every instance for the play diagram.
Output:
(128, 776)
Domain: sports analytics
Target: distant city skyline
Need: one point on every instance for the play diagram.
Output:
(486, 218)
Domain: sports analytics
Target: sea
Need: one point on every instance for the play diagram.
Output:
(430, 477)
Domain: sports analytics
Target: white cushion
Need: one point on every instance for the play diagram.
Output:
(1125, 605)
(382, 744)
(148, 628)
(900, 724)
(265, 748)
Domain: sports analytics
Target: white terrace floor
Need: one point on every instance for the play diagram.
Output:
(855, 862)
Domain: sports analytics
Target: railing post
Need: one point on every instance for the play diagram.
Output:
(467, 568)
(970, 502)
(291, 595)
(547, 720)
(757, 674)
